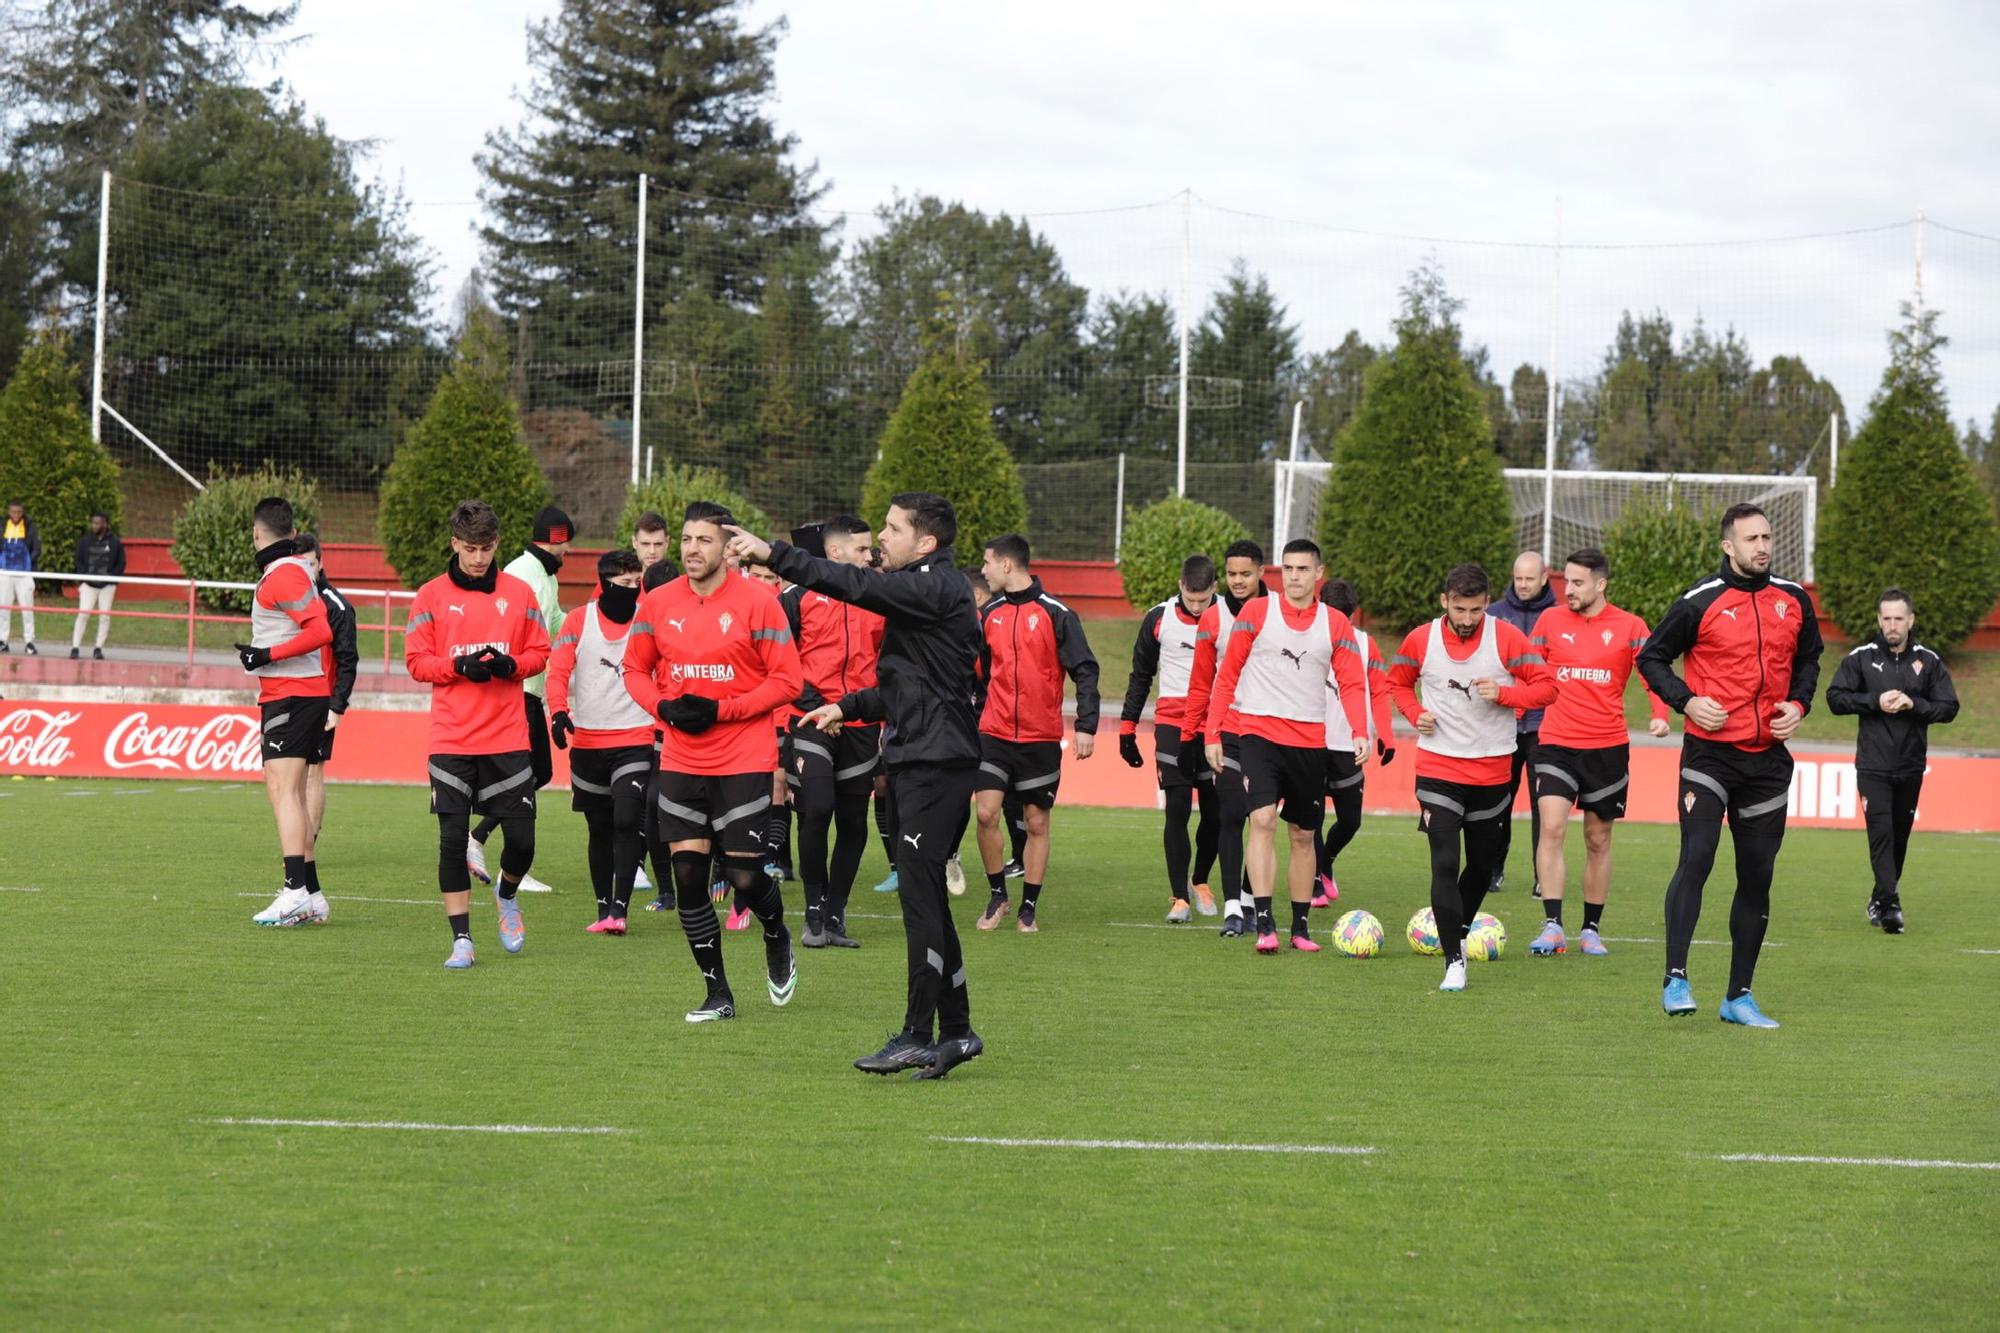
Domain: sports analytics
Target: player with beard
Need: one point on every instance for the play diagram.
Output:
(1475, 671)
(1165, 648)
(710, 655)
(1242, 583)
(1752, 646)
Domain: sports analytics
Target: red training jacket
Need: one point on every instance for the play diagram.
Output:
(448, 621)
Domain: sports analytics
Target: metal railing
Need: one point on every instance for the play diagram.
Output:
(195, 614)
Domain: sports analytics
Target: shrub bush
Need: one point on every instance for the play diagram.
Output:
(670, 492)
(1159, 537)
(941, 439)
(212, 533)
(467, 446)
(47, 459)
(1657, 552)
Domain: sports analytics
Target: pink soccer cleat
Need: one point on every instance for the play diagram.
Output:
(1304, 944)
(1268, 942)
(739, 919)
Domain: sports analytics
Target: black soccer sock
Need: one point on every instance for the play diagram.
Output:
(1552, 910)
(815, 814)
(1029, 893)
(778, 835)
(628, 847)
(1261, 909)
(1322, 863)
(460, 922)
(1179, 805)
(1300, 913)
(997, 881)
(1750, 912)
(1699, 840)
(484, 829)
(1206, 829)
(1593, 913)
(453, 877)
(1017, 826)
(597, 852)
(295, 872)
(698, 923)
(312, 876)
(758, 892)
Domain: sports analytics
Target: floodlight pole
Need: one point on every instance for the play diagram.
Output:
(97, 353)
(1549, 434)
(1118, 514)
(1833, 450)
(638, 327)
(1187, 295)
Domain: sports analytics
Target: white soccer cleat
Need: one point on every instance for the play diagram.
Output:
(954, 877)
(640, 884)
(1454, 976)
(317, 909)
(529, 884)
(292, 907)
(475, 860)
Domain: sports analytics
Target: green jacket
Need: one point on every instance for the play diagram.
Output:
(528, 568)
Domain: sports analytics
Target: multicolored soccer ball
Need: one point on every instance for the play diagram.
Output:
(1358, 935)
(1487, 939)
(1423, 933)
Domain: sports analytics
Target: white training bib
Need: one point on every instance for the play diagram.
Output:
(271, 627)
(1285, 674)
(598, 699)
(1467, 726)
(1339, 735)
(1176, 651)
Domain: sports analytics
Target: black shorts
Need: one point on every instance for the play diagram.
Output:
(323, 752)
(849, 759)
(1447, 807)
(1597, 781)
(1343, 773)
(1752, 786)
(1291, 777)
(723, 809)
(599, 777)
(293, 727)
(1030, 770)
(1230, 792)
(1167, 753)
(500, 785)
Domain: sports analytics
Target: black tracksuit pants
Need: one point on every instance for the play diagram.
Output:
(1891, 808)
(932, 807)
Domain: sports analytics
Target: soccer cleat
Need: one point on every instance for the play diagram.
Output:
(1892, 919)
(890, 885)
(739, 919)
(781, 968)
(461, 954)
(1591, 943)
(718, 1006)
(1874, 911)
(529, 884)
(292, 907)
(1454, 976)
(1178, 911)
(318, 909)
(31, 651)
(614, 925)
(1499, 884)
(475, 860)
(1305, 944)
(601, 926)
(1329, 890)
(1550, 941)
(663, 903)
(640, 884)
(812, 937)
(996, 908)
(1233, 926)
(777, 871)
(1743, 1012)
(1014, 870)
(954, 877)
(512, 934)
(1678, 998)
(1025, 922)
(902, 1051)
(836, 938)
(1267, 941)
(1204, 901)
(950, 1053)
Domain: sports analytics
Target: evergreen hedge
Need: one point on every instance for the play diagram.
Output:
(669, 492)
(1658, 552)
(47, 459)
(941, 439)
(1159, 537)
(212, 532)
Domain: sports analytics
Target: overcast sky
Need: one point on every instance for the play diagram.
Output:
(1656, 125)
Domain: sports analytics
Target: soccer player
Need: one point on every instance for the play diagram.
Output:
(1752, 646)
(654, 574)
(649, 542)
(711, 656)
(1165, 648)
(778, 822)
(608, 735)
(1528, 594)
(536, 566)
(833, 776)
(341, 661)
(1242, 585)
(288, 627)
(1345, 776)
(473, 634)
(930, 745)
(1899, 688)
(1581, 755)
(1273, 678)
(1031, 642)
(1475, 670)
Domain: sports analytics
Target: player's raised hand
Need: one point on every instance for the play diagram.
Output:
(827, 717)
(1706, 713)
(746, 546)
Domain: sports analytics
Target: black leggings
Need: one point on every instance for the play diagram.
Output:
(616, 846)
(1346, 823)
(828, 873)
(1457, 892)
(515, 859)
(1181, 802)
(1749, 913)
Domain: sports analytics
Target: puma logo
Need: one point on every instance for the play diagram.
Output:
(1297, 659)
(677, 626)
(277, 745)
(454, 609)
(1876, 665)
(913, 839)
(1570, 638)
(1730, 611)
(1460, 686)
(607, 664)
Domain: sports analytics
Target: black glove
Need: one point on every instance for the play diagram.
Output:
(690, 713)
(559, 729)
(1128, 750)
(471, 666)
(1190, 757)
(497, 662)
(1385, 753)
(253, 658)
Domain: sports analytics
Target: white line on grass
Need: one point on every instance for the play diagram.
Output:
(1858, 1161)
(414, 1124)
(1648, 939)
(350, 898)
(22, 888)
(80, 793)
(1984, 951)
(1150, 1145)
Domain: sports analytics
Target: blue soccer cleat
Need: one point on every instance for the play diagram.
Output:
(1592, 943)
(891, 884)
(461, 954)
(1678, 998)
(1550, 941)
(512, 934)
(1743, 1012)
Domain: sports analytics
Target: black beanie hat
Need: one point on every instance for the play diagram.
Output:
(553, 525)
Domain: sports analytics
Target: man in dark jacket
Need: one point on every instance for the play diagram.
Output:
(1527, 596)
(341, 661)
(20, 552)
(1898, 688)
(930, 745)
(1752, 647)
(100, 556)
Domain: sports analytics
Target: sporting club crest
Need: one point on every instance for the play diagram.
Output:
(1916, 667)
(1781, 609)
(1607, 638)
(1687, 802)
(724, 621)
(500, 604)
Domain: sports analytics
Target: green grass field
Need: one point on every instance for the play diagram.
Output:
(1544, 1146)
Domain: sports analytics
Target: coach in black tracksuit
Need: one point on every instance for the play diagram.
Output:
(930, 746)
(1898, 687)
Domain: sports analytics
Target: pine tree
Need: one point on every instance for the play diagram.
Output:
(468, 446)
(1416, 487)
(1908, 510)
(47, 459)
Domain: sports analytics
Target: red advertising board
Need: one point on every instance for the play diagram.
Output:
(194, 743)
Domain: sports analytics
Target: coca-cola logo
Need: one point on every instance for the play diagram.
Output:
(225, 743)
(33, 738)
